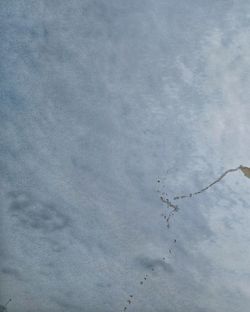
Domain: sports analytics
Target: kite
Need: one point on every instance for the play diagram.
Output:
(245, 170)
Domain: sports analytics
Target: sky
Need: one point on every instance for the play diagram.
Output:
(99, 101)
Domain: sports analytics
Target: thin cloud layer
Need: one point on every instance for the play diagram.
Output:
(99, 100)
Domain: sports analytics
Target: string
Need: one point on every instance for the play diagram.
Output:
(210, 185)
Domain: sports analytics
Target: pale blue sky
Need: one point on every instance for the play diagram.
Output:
(99, 99)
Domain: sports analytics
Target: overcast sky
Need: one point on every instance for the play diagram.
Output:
(99, 100)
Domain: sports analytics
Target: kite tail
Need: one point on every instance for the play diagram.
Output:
(8, 302)
(210, 185)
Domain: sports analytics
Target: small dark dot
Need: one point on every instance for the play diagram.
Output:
(141, 282)
(158, 181)
(145, 278)
(131, 296)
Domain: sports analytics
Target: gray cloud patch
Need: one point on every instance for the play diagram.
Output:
(7, 270)
(149, 263)
(66, 305)
(36, 214)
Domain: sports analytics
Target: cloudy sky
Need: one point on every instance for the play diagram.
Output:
(99, 100)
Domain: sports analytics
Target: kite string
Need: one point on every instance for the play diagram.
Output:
(172, 212)
(8, 302)
(210, 185)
